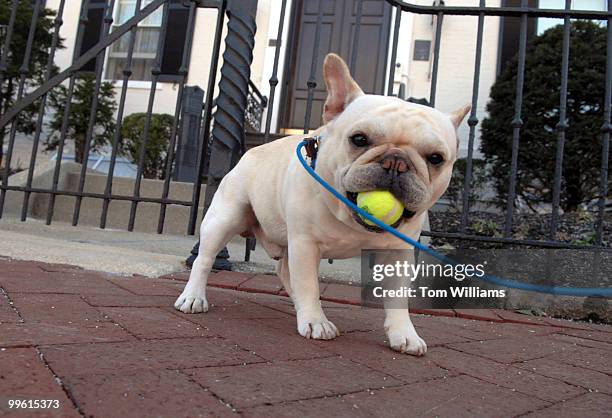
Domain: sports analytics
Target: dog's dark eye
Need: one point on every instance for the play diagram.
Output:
(359, 140)
(435, 159)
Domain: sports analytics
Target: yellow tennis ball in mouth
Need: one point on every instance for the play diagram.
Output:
(382, 205)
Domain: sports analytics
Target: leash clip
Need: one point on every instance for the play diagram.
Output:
(312, 149)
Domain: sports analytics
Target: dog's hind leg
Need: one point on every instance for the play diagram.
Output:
(225, 218)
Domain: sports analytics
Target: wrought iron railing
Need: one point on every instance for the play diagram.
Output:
(24, 98)
(256, 105)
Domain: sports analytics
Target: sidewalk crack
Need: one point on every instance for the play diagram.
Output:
(550, 405)
(215, 395)
(11, 304)
(60, 382)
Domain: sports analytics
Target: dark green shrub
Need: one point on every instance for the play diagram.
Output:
(132, 135)
(538, 135)
(454, 193)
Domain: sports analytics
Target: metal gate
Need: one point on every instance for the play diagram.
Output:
(238, 104)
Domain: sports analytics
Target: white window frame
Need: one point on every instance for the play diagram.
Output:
(134, 84)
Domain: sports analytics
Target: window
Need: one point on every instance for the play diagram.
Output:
(145, 43)
(510, 33)
(421, 50)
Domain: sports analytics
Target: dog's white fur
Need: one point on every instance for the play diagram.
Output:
(269, 195)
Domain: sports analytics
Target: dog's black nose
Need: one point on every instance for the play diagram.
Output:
(394, 163)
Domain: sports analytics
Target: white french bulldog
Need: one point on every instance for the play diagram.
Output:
(367, 143)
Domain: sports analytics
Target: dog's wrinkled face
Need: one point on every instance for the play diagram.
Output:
(384, 143)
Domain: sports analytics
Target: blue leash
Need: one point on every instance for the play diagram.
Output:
(555, 290)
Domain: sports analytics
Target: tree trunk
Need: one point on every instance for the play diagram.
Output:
(5, 103)
(79, 148)
(574, 193)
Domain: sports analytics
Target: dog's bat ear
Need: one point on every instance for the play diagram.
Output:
(458, 115)
(341, 88)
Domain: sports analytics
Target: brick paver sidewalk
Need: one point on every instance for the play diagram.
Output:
(112, 346)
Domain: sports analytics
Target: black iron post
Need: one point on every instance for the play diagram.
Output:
(186, 155)
(229, 117)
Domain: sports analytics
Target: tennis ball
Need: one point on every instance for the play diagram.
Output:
(382, 205)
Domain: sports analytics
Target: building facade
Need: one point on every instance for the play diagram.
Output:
(412, 67)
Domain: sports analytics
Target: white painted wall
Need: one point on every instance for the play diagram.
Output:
(68, 30)
(263, 78)
(456, 62)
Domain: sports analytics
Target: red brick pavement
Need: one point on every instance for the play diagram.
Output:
(110, 346)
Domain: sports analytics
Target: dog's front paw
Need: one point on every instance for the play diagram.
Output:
(316, 326)
(191, 303)
(406, 340)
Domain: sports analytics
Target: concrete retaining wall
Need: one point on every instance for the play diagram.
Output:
(147, 214)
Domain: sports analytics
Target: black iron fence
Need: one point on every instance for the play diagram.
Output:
(89, 60)
(239, 106)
